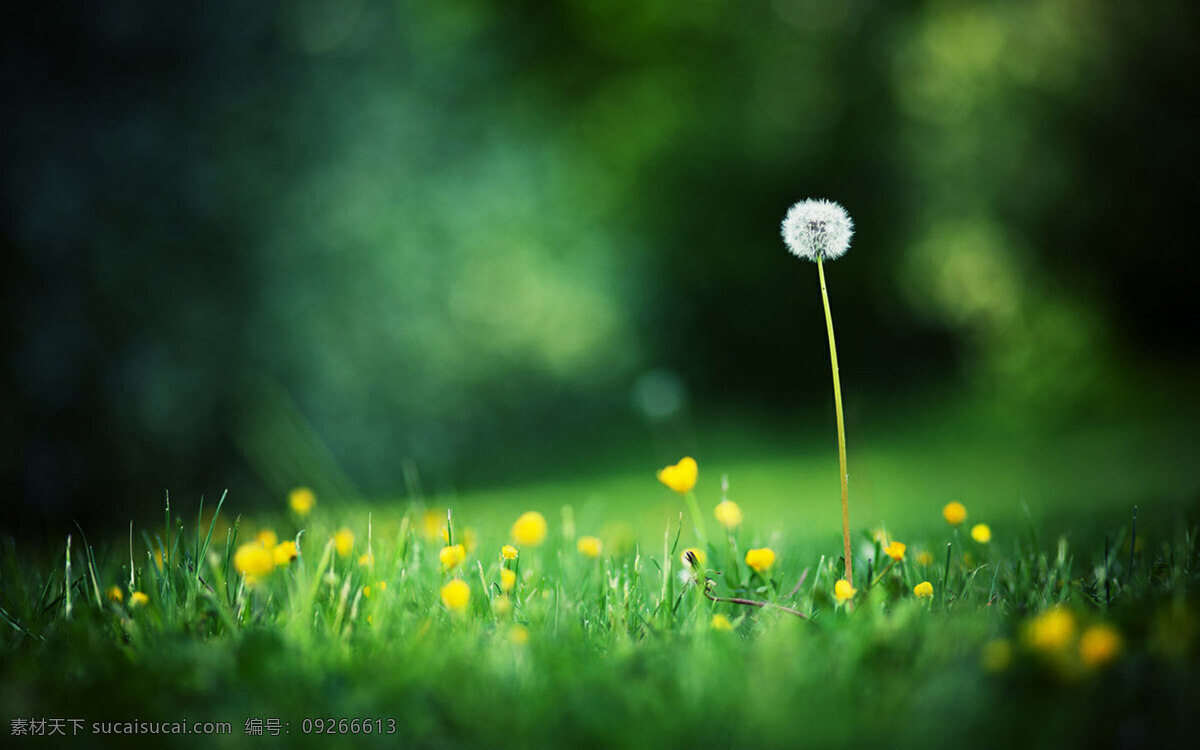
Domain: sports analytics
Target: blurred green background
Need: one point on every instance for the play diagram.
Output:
(360, 244)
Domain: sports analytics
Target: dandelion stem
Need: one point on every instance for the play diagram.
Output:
(751, 602)
(841, 423)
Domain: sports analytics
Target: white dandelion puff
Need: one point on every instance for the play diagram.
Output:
(688, 577)
(817, 230)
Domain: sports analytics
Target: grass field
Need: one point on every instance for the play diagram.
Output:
(1053, 632)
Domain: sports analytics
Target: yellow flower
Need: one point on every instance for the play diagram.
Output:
(508, 552)
(700, 555)
(589, 546)
(843, 591)
(954, 513)
(682, 476)
(518, 635)
(253, 559)
(343, 540)
(452, 556)
(301, 500)
(1051, 631)
(502, 606)
(138, 599)
(924, 557)
(433, 524)
(116, 595)
(367, 591)
(366, 560)
(895, 550)
(508, 579)
(760, 559)
(267, 538)
(379, 586)
(923, 590)
(456, 595)
(981, 533)
(720, 622)
(1099, 645)
(530, 529)
(469, 539)
(728, 514)
(997, 655)
(284, 552)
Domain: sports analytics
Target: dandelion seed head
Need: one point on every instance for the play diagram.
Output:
(817, 230)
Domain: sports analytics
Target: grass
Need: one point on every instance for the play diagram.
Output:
(610, 652)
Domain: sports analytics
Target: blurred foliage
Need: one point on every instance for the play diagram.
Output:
(265, 244)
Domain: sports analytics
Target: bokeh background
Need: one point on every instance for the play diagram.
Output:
(361, 244)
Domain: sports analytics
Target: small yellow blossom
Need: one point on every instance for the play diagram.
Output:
(518, 635)
(1099, 645)
(343, 540)
(720, 622)
(508, 579)
(508, 552)
(954, 513)
(456, 595)
(923, 590)
(469, 539)
(996, 656)
(366, 560)
(267, 538)
(843, 591)
(760, 559)
(433, 524)
(981, 533)
(253, 559)
(116, 595)
(682, 476)
(589, 546)
(895, 550)
(530, 529)
(138, 599)
(728, 514)
(284, 552)
(370, 619)
(502, 606)
(1051, 631)
(301, 500)
(452, 556)
(700, 555)
(367, 591)
(924, 557)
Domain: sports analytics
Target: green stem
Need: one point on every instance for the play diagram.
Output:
(697, 519)
(841, 424)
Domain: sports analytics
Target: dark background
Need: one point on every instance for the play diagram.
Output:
(254, 245)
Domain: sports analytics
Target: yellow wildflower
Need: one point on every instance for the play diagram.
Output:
(682, 476)
(728, 514)
(923, 590)
(284, 552)
(508, 579)
(720, 622)
(508, 552)
(981, 533)
(366, 560)
(433, 524)
(1051, 631)
(267, 538)
(997, 655)
(518, 635)
(530, 529)
(895, 550)
(843, 591)
(456, 595)
(343, 540)
(301, 500)
(1099, 645)
(452, 556)
(502, 606)
(138, 599)
(954, 513)
(924, 557)
(589, 546)
(760, 559)
(469, 538)
(700, 555)
(253, 559)
(116, 595)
